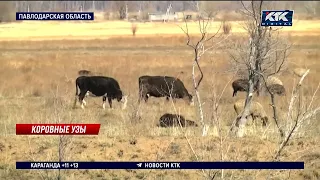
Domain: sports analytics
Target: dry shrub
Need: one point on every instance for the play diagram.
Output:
(133, 29)
(7, 11)
(226, 26)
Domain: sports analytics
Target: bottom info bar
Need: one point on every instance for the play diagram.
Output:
(159, 165)
(57, 129)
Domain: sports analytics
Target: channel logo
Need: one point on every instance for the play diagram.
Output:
(276, 18)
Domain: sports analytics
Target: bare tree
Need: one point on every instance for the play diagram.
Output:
(312, 7)
(185, 5)
(203, 44)
(216, 119)
(64, 141)
(264, 55)
(6, 9)
(120, 6)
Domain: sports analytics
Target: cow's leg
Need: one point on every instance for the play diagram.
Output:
(84, 102)
(104, 102)
(234, 93)
(86, 95)
(81, 99)
(146, 97)
(141, 96)
(110, 102)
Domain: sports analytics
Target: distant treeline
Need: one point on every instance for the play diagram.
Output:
(310, 9)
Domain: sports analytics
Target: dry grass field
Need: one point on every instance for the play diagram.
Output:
(106, 29)
(39, 65)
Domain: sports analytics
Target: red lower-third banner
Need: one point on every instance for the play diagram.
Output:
(57, 129)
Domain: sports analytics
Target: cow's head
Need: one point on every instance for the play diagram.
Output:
(191, 123)
(282, 92)
(265, 121)
(124, 99)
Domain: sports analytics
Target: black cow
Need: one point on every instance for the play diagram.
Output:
(87, 73)
(241, 85)
(171, 120)
(163, 86)
(106, 87)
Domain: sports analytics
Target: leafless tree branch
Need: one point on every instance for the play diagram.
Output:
(263, 56)
(200, 48)
(301, 116)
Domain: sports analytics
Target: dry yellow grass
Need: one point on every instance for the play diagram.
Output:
(37, 86)
(106, 29)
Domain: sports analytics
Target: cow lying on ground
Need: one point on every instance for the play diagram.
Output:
(106, 87)
(163, 86)
(170, 120)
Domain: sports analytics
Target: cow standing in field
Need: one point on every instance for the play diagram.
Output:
(106, 87)
(163, 86)
(241, 85)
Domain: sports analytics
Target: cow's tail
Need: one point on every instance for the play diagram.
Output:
(76, 96)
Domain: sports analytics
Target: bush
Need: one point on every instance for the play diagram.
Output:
(226, 26)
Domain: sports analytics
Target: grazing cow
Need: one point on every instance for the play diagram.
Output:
(163, 86)
(277, 89)
(170, 120)
(106, 87)
(241, 85)
(256, 111)
(273, 80)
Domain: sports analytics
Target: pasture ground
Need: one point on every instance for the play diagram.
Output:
(37, 86)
